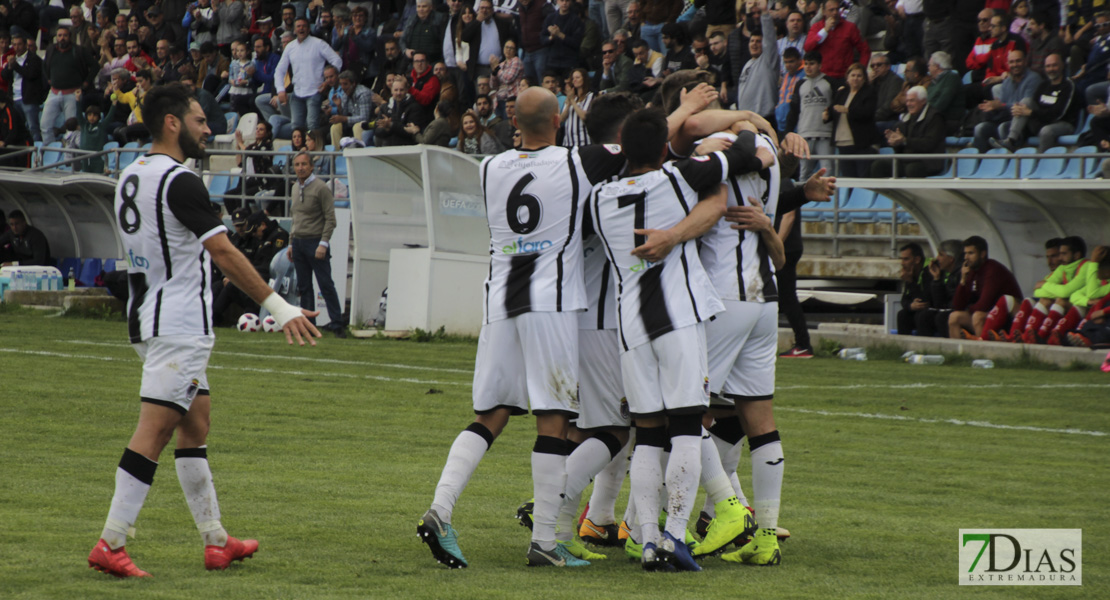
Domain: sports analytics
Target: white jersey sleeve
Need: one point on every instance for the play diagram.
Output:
(652, 298)
(738, 262)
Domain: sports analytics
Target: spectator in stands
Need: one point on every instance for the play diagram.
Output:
(647, 69)
(888, 85)
(474, 138)
(838, 41)
(812, 96)
(94, 134)
(424, 34)
(1020, 84)
(137, 58)
(979, 58)
(483, 107)
(214, 68)
(984, 283)
(852, 115)
(448, 89)
(503, 129)
(719, 64)
(1043, 41)
(160, 28)
(931, 319)
(393, 63)
(573, 116)
(394, 116)
(121, 91)
(755, 90)
(615, 74)
(424, 90)
(794, 73)
(920, 131)
(265, 64)
(1049, 113)
(795, 34)
(256, 169)
(354, 106)
(445, 126)
(358, 43)
(306, 56)
(67, 68)
(162, 69)
(202, 20)
(25, 74)
(531, 15)
(486, 35)
(232, 21)
(1081, 30)
(507, 73)
(1002, 50)
(21, 14)
(917, 74)
(562, 36)
(653, 16)
(917, 282)
(1094, 72)
(82, 31)
(13, 134)
(679, 56)
(720, 15)
(946, 93)
(24, 243)
(216, 121)
(313, 213)
(240, 90)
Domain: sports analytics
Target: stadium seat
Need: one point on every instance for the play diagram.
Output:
(90, 270)
(218, 186)
(961, 167)
(130, 153)
(1074, 166)
(52, 154)
(244, 125)
(1011, 169)
(109, 265)
(992, 168)
(340, 165)
(112, 158)
(1084, 127)
(343, 204)
(67, 264)
(857, 199)
(453, 142)
(1049, 168)
(967, 78)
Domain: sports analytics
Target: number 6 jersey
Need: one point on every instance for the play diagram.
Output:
(534, 204)
(164, 216)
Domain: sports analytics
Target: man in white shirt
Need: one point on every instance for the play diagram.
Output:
(307, 55)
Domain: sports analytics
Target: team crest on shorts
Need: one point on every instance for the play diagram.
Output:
(191, 391)
(626, 413)
(705, 387)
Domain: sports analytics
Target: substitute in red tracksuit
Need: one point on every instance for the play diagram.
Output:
(983, 281)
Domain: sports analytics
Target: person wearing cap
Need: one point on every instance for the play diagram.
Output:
(266, 239)
(161, 29)
(240, 239)
(313, 212)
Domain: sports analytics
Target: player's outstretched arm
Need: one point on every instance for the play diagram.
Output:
(701, 219)
(292, 320)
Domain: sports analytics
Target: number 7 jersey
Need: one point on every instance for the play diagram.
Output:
(535, 200)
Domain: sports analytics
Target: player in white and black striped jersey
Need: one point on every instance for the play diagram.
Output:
(661, 307)
(171, 236)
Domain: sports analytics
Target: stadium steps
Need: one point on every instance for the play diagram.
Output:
(86, 298)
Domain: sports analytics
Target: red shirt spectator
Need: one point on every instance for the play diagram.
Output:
(838, 41)
(1004, 43)
(985, 285)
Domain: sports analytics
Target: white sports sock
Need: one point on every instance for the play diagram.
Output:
(607, 486)
(549, 479)
(713, 477)
(1056, 308)
(127, 500)
(767, 465)
(200, 494)
(587, 460)
(683, 474)
(647, 481)
(1040, 308)
(462, 460)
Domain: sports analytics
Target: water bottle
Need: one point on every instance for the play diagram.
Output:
(17, 281)
(72, 280)
(907, 355)
(982, 363)
(849, 353)
(926, 359)
(860, 356)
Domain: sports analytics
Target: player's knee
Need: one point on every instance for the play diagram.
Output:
(979, 318)
(679, 425)
(728, 429)
(493, 422)
(956, 316)
(651, 436)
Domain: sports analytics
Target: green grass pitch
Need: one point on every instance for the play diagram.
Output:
(328, 456)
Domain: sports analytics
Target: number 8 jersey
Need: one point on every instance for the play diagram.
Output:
(164, 215)
(534, 204)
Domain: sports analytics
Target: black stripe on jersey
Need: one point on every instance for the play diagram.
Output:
(570, 232)
(608, 252)
(740, 242)
(603, 293)
(653, 305)
(518, 289)
(770, 290)
(159, 200)
(689, 290)
(678, 191)
(203, 284)
(485, 204)
(157, 311)
(136, 284)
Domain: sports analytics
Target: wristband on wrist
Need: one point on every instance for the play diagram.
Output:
(282, 311)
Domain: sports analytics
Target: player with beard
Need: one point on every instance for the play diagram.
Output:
(171, 236)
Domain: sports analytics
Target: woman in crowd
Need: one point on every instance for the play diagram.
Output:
(579, 98)
(474, 138)
(440, 131)
(255, 168)
(853, 112)
(507, 73)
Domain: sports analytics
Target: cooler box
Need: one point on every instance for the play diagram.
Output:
(29, 278)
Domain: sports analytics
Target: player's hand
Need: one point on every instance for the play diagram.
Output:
(711, 145)
(289, 253)
(659, 244)
(765, 156)
(749, 217)
(698, 98)
(302, 328)
(934, 269)
(819, 188)
(796, 145)
(321, 252)
(918, 304)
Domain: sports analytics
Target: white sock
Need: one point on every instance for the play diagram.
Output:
(128, 498)
(767, 466)
(1040, 308)
(713, 477)
(587, 460)
(647, 481)
(200, 494)
(1056, 308)
(683, 474)
(607, 486)
(549, 479)
(462, 460)
(630, 519)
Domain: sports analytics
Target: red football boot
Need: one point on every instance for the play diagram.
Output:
(217, 558)
(113, 562)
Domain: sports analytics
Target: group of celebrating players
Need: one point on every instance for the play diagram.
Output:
(632, 290)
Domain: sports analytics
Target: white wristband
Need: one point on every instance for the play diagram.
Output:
(282, 311)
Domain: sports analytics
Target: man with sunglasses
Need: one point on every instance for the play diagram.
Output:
(616, 69)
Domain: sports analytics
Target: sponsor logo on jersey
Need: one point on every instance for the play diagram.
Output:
(613, 148)
(136, 261)
(643, 265)
(522, 247)
(700, 158)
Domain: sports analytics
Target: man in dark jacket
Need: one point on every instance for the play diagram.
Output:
(21, 14)
(562, 36)
(531, 15)
(424, 34)
(67, 68)
(486, 35)
(268, 238)
(944, 270)
(1049, 114)
(26, 69)
(395, 116)
(917, 282)
(24, 243)
(921, 131)
(13, 134)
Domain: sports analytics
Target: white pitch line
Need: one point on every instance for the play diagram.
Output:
(914, 386)
(243, 369)
(985, 424)
(334, 361)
